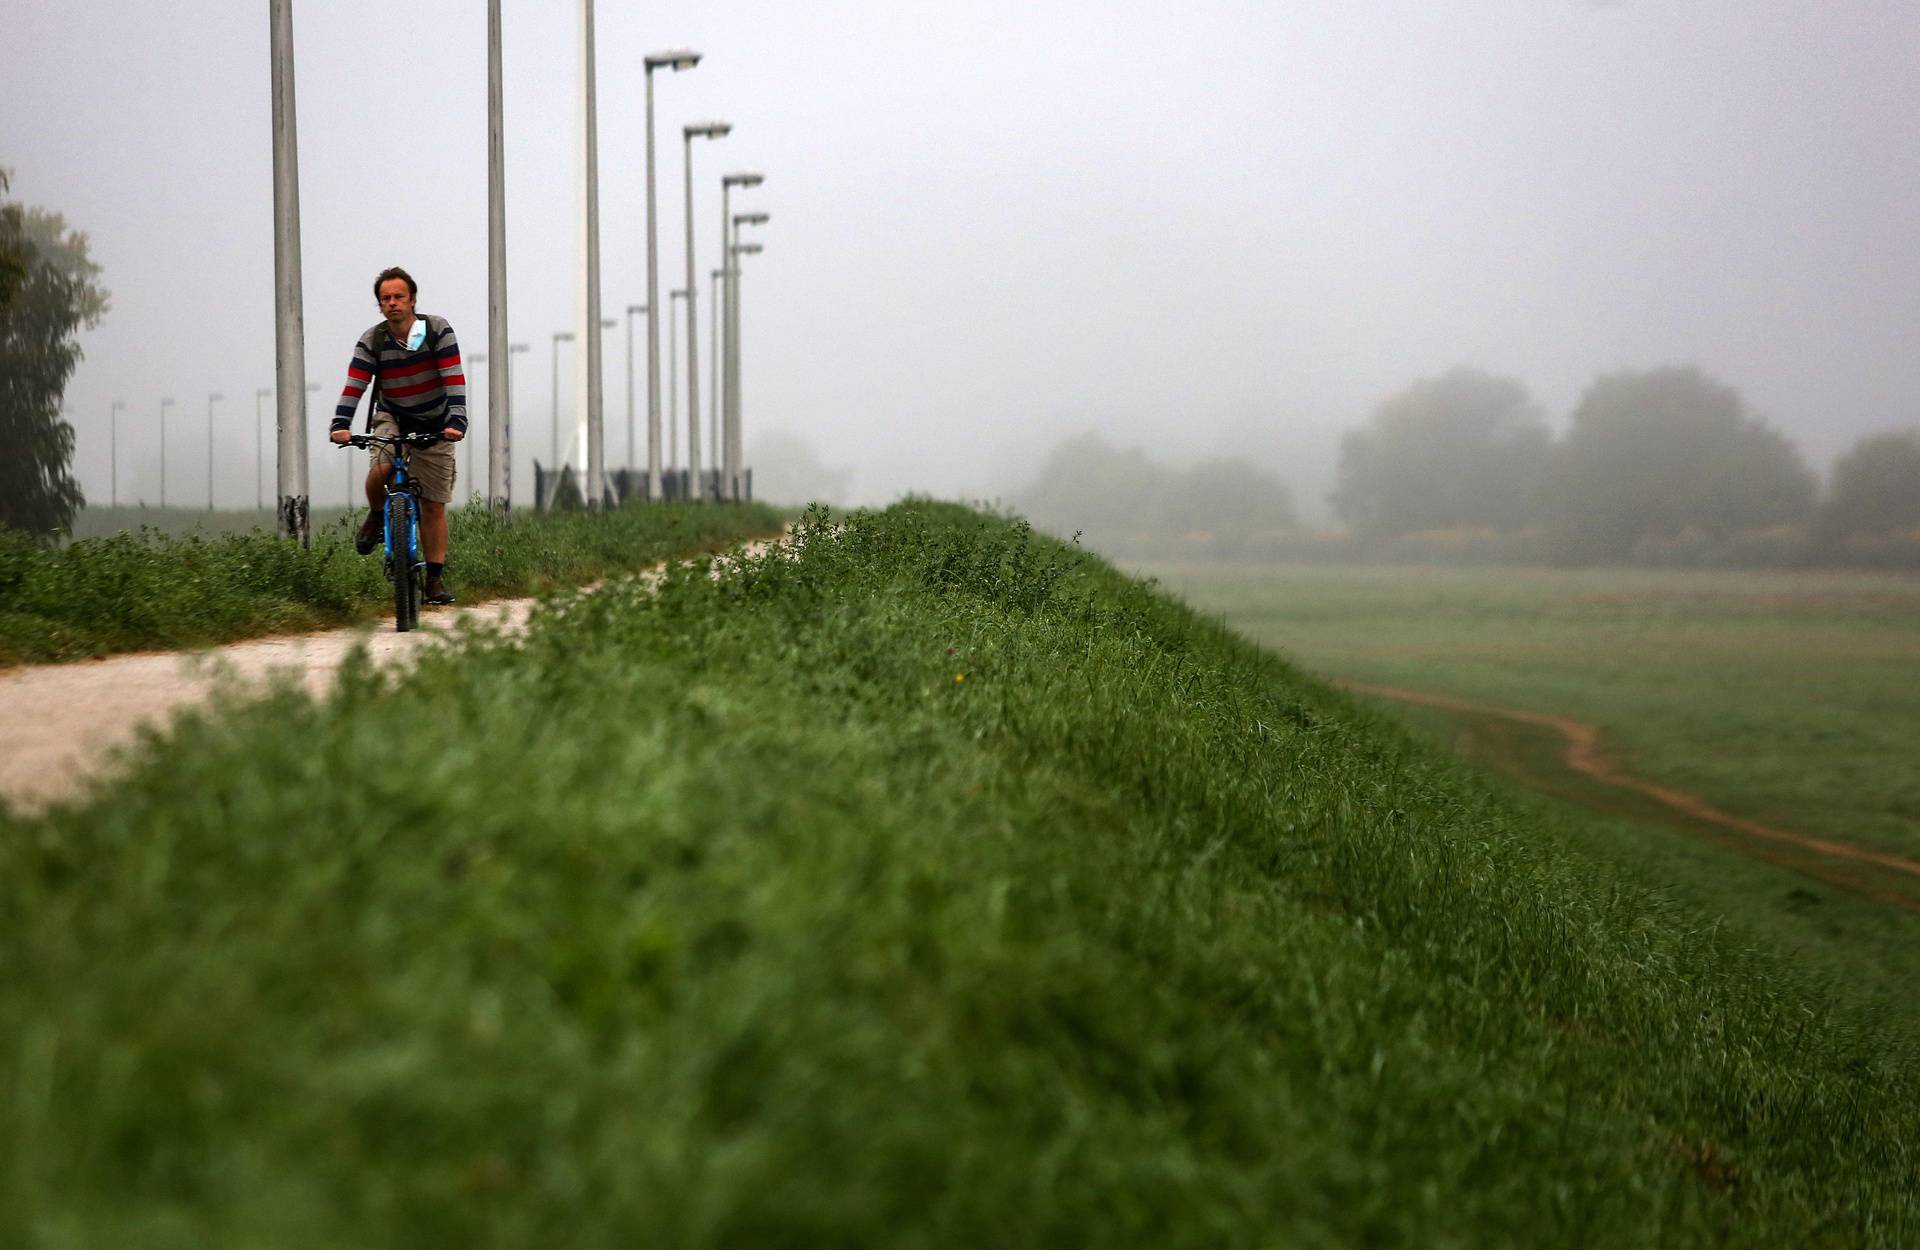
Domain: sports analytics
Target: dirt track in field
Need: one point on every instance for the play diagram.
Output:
(1878, 875)
(62, 725)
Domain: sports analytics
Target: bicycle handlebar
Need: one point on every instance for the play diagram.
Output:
(391, 440)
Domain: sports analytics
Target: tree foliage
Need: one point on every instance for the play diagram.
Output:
(1463, 449)
(1662, 451)
(1875, 487)
(1116, 495)
(48, 294)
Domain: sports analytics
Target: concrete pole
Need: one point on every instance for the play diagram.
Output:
(673, 380)
(726, 328)
(589, 426)
(499, 355)
(289, 319)
(631, 310)
(693, 344)
(559, 337)
(713, 343)
(653, 322)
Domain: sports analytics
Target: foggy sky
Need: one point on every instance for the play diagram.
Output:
(1215, 227)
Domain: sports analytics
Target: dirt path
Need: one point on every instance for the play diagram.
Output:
(61, 724)
(1581, 755)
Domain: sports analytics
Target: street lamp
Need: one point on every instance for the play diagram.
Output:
(466, 444)
(742, 180)
(673, 380)
(713, 347)
(631, 310)
(732, 417)
(701, 130)
(559, 337)
(164, 405)
(735, 450)
(113, 449)
(504, 447)
(677, 59)
(210, 402)
(259, 462)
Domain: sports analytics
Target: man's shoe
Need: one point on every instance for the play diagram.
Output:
(369, 536)
(437, 592)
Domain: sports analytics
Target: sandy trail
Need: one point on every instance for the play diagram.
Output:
(1582, 754)
(61, 724)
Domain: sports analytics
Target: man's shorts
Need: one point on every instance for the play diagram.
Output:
(432, 467)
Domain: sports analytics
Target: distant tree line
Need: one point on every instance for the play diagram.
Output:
(1664, 465)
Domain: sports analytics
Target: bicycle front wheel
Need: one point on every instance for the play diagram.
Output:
(400, 566)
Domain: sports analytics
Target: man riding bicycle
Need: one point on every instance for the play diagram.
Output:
(413, 364)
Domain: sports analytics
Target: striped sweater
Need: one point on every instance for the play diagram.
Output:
(425, 390)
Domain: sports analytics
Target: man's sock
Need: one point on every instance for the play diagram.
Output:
(433, 570)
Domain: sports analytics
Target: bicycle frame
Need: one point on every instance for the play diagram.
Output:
(405, 562)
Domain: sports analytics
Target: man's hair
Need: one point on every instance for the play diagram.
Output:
(389, 274)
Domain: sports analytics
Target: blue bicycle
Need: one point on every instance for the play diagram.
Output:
(406, 565)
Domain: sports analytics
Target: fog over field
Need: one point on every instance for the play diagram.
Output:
(1228, 227)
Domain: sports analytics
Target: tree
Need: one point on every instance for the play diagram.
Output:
(1659, 451)
(1465, 448)
(48, 294)
(1875, 487)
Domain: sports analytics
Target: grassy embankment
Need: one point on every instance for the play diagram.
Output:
(140, 590)
(1782, 697)
(932, 886)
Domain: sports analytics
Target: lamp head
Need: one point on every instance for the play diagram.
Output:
(633, 309)
(263, 392)
(518, 347)
(751, 219)
(743, 180)
(747, 249)
(675, 59)
(707, 130)
(216, 395)
(676, 295)
(563, 336)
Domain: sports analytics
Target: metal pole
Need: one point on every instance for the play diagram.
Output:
(210, 400)
(713, 343)
(289, 319)
(465, 450)
(629, 461)
(499, 354)
(590, 426)
(653, 322)
(693, 345)
(673, 381)
(735, 453)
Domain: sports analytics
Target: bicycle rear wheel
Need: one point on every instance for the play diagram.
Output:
(400, 566)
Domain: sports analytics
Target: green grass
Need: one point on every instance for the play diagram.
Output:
(929, 886)
(145, 589)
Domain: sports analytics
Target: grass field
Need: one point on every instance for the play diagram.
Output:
(926, 886)
(145, 589)
(1790, 698)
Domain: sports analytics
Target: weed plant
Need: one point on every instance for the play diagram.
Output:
(923, 884)
(146, 589)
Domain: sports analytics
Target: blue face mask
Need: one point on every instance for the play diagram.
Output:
(418, 335)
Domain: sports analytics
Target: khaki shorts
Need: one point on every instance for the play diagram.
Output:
(432, 467)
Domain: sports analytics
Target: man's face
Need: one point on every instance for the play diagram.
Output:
(396, 302)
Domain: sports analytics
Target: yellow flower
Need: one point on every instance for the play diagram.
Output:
(958, 677)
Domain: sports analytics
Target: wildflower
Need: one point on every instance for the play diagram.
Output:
(959, 677)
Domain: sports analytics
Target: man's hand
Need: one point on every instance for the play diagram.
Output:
(453, 435)
(342, 437)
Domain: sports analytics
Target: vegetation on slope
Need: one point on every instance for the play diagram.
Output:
(145, 589)
(929, 885)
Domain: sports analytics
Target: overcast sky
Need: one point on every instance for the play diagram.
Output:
(1221, 226)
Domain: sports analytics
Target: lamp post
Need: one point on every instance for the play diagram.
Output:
(731, 436)
(631, 310)
(259, 460)
(289, 320)
(727, 183)
(702, 130)
(559, 337)
(676, 60)
(673, 380)
(736, 451)
(713, 348)
(500, 380)
(113, 449)
(211, 399)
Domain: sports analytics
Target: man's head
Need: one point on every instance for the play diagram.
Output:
(395, 289)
